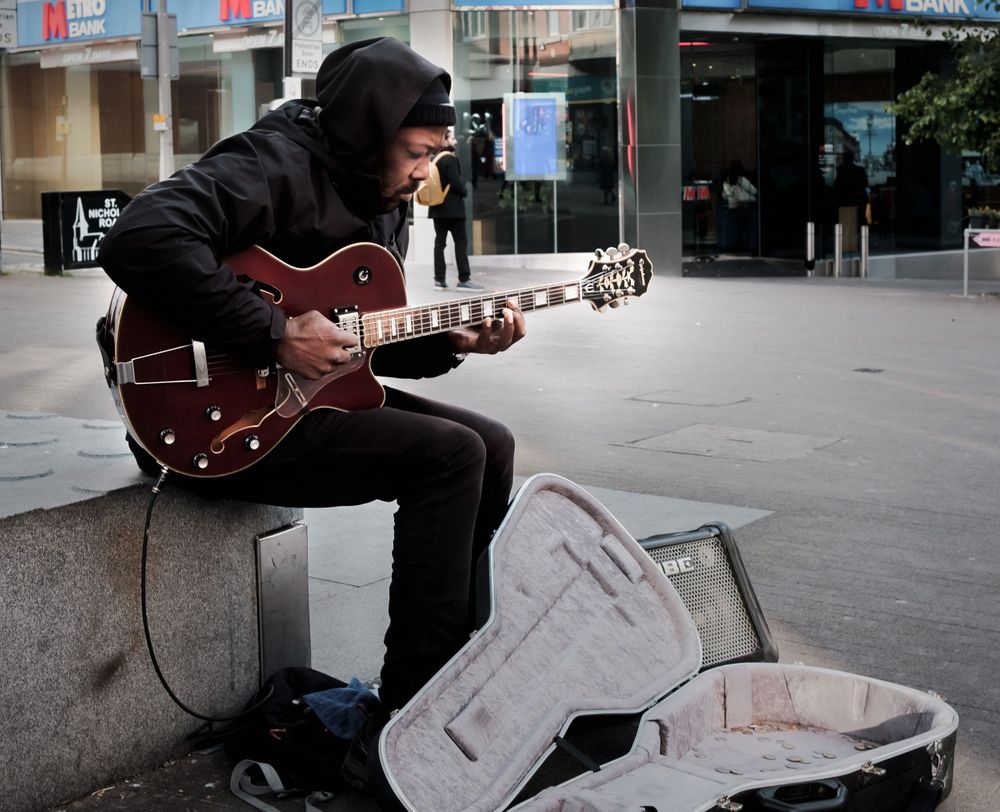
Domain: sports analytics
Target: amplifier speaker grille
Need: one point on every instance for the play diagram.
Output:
(705, 568)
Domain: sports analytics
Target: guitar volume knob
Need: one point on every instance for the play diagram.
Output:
(252, 443)
(213, 413)
(168, 437)
(200, 461)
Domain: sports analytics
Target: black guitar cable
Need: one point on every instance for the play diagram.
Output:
(145, 623)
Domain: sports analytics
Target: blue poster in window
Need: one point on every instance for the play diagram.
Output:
(534, 136)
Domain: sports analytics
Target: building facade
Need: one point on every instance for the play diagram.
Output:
(580, 123)
(800, 94)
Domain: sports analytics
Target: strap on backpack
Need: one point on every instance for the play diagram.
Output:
(244, 788)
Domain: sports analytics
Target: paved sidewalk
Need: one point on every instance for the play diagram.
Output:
(848, 428)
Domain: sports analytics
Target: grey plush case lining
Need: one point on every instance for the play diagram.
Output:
(753, 725)
(582, 621)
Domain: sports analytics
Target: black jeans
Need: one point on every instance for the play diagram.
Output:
(456, 227)
(450, 471)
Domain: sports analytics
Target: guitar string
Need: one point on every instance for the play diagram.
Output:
(453, 310)
(413, 321)
(219, 362)
(425, 312)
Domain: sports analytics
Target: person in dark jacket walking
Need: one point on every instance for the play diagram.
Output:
(449, 218)
(306, 180)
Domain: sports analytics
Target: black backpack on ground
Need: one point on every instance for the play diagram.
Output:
(285, 734)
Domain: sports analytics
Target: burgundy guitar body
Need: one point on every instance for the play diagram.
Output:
(229, 424)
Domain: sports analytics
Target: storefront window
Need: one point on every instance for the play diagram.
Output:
(220, 92)
(911, 197)
(90, 127)
(77, 128)
(396, 26)
(719, 134)
(858, 156)
(571, 204)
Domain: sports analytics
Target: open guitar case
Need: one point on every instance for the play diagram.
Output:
(587, 646)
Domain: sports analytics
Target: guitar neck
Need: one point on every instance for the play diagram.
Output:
(403, 323)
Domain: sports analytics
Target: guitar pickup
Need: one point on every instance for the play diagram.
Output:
(348, 318)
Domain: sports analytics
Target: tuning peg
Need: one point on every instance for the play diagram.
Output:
(623, 248)
(612, 252)
(599, 254)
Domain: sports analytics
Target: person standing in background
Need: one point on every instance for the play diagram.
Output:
(449, 218)
(850, 188)
(740, 199)
(606, 172)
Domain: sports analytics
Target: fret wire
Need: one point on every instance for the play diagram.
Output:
(396, 321)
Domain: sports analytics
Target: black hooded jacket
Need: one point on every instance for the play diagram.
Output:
(301, 183)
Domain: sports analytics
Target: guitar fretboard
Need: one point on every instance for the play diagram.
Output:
(403, 323)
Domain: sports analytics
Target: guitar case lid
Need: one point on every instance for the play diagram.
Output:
(581, 622)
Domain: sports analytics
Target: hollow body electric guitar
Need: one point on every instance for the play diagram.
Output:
(203, 413)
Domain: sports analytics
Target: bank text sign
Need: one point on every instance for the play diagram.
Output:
(972, 9)
(42, 22)
(58, 22)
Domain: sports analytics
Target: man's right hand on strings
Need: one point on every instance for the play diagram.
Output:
(313, 345)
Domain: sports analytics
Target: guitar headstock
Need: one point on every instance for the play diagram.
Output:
(615, 275)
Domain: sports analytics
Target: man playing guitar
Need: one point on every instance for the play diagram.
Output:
(306, 181)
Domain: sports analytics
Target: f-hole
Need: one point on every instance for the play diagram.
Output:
(263, 287)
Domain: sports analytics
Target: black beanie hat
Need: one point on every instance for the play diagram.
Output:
(432, 109)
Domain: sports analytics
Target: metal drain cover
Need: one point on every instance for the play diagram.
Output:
(733, 442)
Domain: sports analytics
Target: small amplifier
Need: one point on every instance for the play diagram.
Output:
(706, 569)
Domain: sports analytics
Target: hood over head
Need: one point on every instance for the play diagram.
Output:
(367, 90)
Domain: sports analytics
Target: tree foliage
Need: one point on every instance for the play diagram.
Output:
(960, 112)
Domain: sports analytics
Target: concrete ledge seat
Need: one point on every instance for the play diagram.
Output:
(82, 704)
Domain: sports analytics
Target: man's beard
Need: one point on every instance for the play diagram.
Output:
(395, 197)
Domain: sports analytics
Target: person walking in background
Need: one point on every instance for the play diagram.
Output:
(449, 218)
(606, 171)
(740, 198)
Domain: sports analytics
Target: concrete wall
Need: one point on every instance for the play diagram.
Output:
(82, 705)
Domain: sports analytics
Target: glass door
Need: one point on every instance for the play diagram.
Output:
(790, 110)
(719, 137)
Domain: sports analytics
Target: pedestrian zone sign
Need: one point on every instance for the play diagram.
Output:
(987, 239)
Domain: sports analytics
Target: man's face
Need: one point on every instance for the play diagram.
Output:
(406, 162)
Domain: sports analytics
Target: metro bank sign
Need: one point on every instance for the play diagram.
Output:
(52, 22)
(74, 19)
(57, 22)
(917, 6)
(250, 9)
